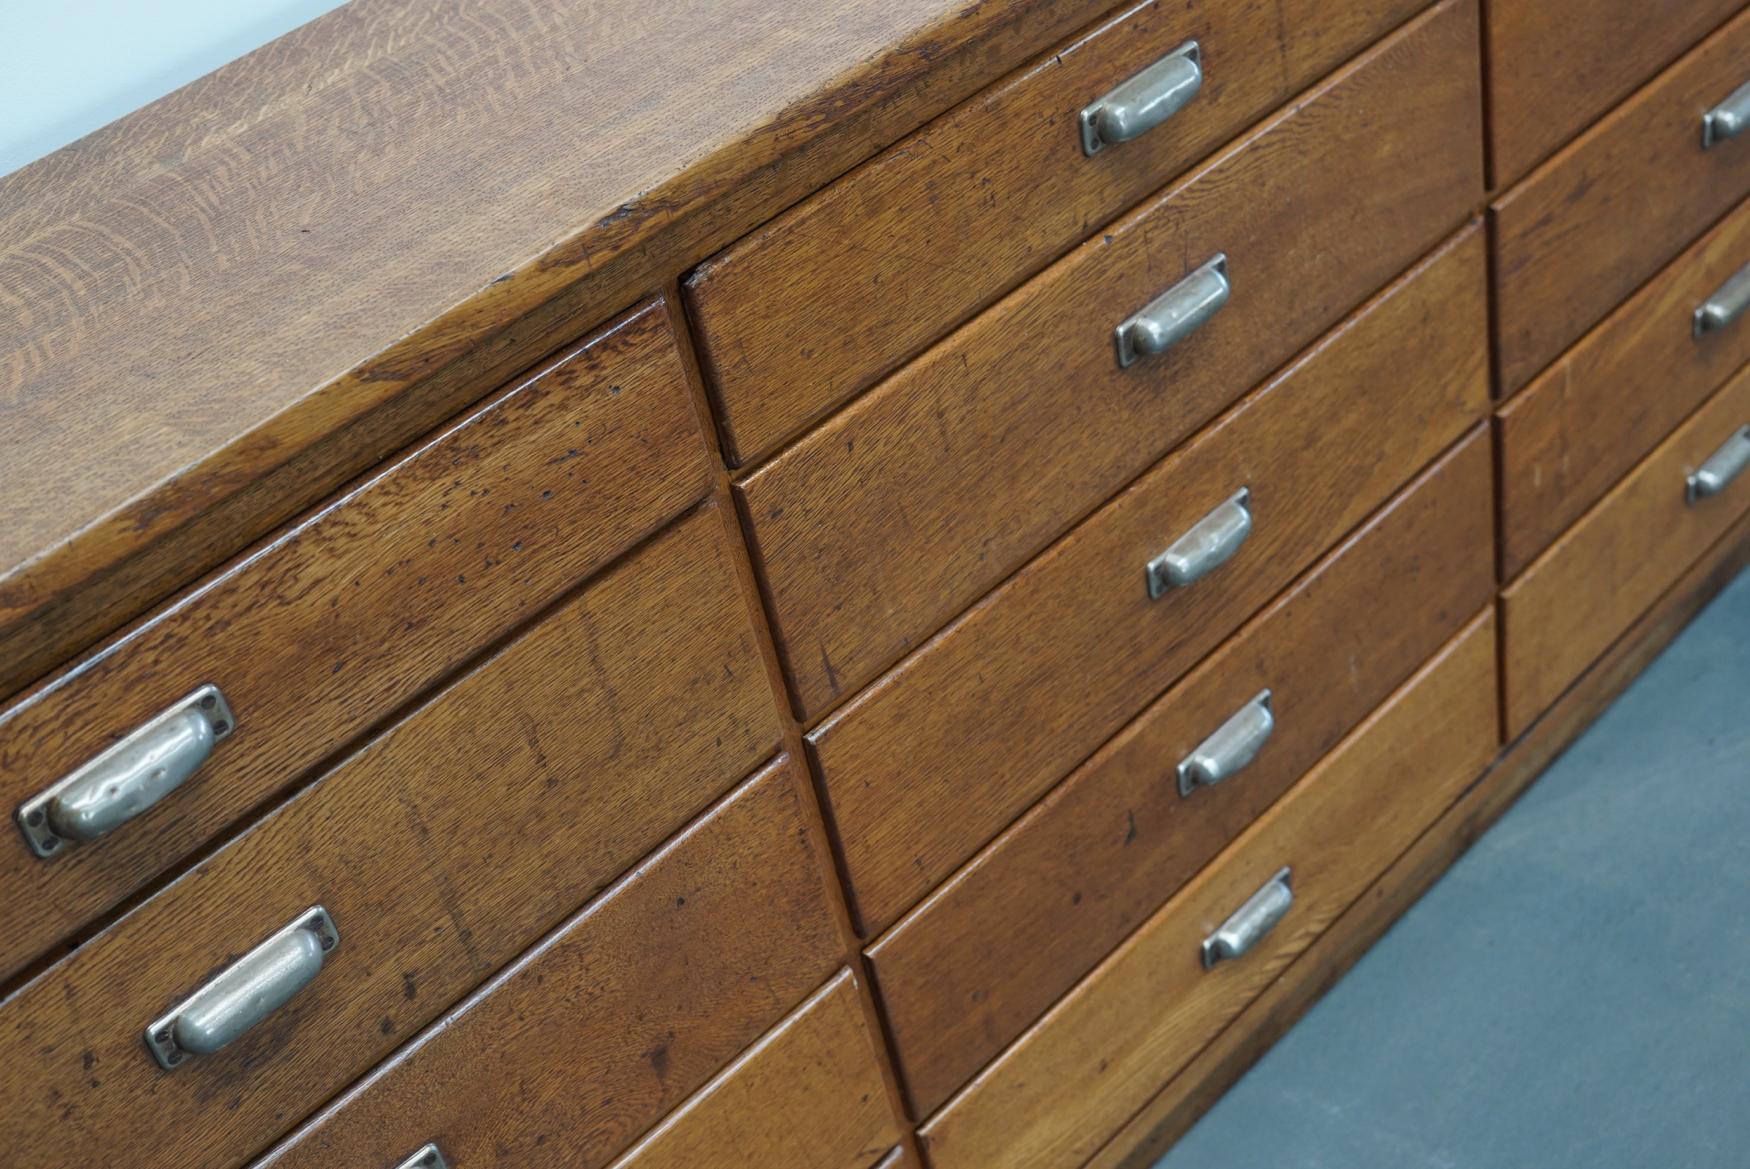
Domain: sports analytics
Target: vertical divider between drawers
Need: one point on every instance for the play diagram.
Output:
(1485, 64)
(791, 730)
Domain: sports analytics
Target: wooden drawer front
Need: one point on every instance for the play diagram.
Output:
(442, 850)
(885, 522)
(1554, 68)
(820, 303)
(1595, 221)
(614, 1021)
(1590, 417)
(968, 970)
(1102, 1052)
(1035, 677)
(1595, 580)
(807, 1096)
(323, 632)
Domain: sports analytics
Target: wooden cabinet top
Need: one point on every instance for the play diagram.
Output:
(222, 307)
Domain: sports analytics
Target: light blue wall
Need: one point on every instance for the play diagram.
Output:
(70, 66)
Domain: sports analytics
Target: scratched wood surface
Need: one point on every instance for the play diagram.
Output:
(1593, 583)
(221, 307)
(1585, 421)
(806, 1096)
(1586, 228)
(614, 1020)
(321, 633)
(467, 831)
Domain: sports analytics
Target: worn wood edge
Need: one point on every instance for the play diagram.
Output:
(112, 567)
(1161, 1122)
(1486, 64)
(342, 750)
(748, 1064)
(779, 768)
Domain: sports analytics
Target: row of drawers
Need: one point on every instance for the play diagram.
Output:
(1004, 1061)
(442, 850)
(879, 525)
(868, 538)
(638, 701)
(1567, 607)
(314, 640)
(883, 523)
(1007, 710)
(836, 294)
(1022, 1036)
(1617, 308)
(619, 1013)
(980, 959)
(1620, 467)
(626, 1011)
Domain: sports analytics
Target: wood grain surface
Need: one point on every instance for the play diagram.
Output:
(1573, 432)
(1036, 676)
(1605, 571)
(806, 1096)
(442, 849)
(1107, 1048)
(818, 304)
(1148, 1134)
(882, 524)
(327, 629)
(588, 1040)
(978, 961)
(1554, 68)
(1587, 227)
(222, 307)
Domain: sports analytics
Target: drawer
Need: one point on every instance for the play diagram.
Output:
(323, 632)
(971, 967)
(1554, 68)
(615, 1020)
(879, 526)
(821, 1064)
(1595, 221)
(1590, 417)
(1102, 1052)
(1605, 571)
(823, 301)
(441, 850)
(1002, 711)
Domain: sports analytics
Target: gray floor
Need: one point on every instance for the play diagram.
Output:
(1575, 992)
